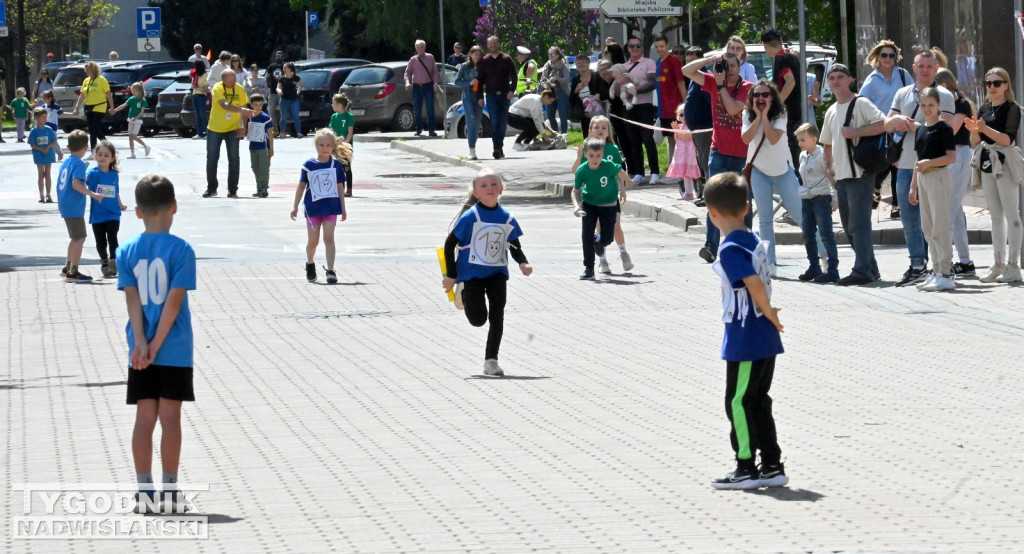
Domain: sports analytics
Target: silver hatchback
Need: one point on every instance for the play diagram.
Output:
(380, 99)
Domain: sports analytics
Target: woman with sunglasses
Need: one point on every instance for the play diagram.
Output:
(1000, 168)
(764, 132)
(880, 87)
(42, 85)
(555, 76)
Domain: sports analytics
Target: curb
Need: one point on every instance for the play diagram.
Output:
(672, 215)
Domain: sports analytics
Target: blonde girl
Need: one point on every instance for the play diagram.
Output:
(684, 158)
(136, 105)
(476, 255)
(320, 185)
(601, 127)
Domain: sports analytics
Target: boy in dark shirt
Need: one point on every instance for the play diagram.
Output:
(751, 338)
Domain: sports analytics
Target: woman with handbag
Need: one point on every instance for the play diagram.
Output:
(769, 166)
(97, 99)
(555, 75)
(998, 167)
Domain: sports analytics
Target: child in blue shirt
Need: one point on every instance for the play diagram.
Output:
(105, 214)
(751, 339)
(482, 235)
(157, 269)
(261, 145)
(45, 151)
(318, 191)
(71, 193)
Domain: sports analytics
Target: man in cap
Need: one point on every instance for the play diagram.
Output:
(854, 187)
(527, 70)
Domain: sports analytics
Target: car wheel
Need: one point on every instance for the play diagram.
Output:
(404, 119)
(460, 130)
(186, 132)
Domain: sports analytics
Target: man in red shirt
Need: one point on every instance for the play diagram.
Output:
(671, 87)
(788, 76)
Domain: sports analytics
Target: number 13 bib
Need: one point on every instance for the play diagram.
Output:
(488, 245)
(323, 183)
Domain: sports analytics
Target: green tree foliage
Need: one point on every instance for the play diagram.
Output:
(716, 21)
(383, 29)
(253, 29)
(63, 20)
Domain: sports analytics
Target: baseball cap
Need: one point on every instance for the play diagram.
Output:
(523, 50)
(840, 68)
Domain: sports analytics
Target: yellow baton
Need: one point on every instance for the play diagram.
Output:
(444, 272)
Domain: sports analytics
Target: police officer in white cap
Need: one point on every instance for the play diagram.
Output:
(527, 71)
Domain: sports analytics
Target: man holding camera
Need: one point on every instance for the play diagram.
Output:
(728, 151)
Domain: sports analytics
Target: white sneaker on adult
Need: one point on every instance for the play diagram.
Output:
(472, 153)
(1011, 275)
(993, 274)
(637, 179)
(938, 283)
(926, 282)
(654, 179)
(519, 147)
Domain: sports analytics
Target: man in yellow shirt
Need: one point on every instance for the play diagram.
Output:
(227, 112)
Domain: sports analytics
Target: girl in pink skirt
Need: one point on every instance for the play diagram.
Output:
(684, 159)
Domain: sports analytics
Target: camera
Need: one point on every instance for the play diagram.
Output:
(721, 67)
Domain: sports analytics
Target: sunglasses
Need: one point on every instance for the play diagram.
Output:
(634, 46)
(761, 94)
(995, 83)
(887, 55)
(552, 54)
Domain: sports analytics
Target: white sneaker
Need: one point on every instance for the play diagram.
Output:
(654, 179)
(148, 150)
(458, 296)
(603, 267)
(131, 156)
(939, 282)
(1011, 275)
(637, 179)
(628, 105)
(519, 147)
(993, 274)
(472, 153)
(772, 270)
(627, 262)
(926, 282)
(491, 367)
(197, 137)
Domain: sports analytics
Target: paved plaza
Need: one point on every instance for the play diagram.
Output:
(355, 417)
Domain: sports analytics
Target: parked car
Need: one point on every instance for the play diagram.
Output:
(169, 106)
(380, 99)
(455, 122)
(303, 65)
(154, 86)
(318, 89)
(67, 86)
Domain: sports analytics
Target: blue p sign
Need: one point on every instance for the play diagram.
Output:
(313, 18)
(147, 22)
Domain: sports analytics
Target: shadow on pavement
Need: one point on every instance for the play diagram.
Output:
(505, 378)
(104, 384)
(785, 494)
(614, 281)
(14, 220)
(11, 263)
(210, 518)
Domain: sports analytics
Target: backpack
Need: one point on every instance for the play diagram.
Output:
(871, 152)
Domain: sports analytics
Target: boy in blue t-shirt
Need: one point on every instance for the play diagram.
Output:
(45, 151)
(155, 271)
(751, 339)
(261, 145)
(71, 193)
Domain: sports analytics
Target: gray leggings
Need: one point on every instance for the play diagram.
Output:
(1002, 196)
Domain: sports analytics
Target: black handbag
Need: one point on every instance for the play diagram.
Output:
(870, 152)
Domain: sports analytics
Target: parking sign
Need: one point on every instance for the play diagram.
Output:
(3, 14)
(147, 22)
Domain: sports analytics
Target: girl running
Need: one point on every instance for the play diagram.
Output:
(105, 214)
(601, 127)
(684, 158)
(476, 255)
(321, 180)
(136, 105)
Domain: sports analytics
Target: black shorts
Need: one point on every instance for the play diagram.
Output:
(160, 381)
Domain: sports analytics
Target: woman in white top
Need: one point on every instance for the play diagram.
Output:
(764, 125)
(527, 115)
(737, 47)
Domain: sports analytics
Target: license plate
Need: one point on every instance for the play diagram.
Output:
(147, 116)
(358, 112)
(172, 115)
(303, 114)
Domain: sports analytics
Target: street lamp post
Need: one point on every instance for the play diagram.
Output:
(21, 75)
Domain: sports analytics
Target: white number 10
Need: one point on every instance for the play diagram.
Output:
(152, 279)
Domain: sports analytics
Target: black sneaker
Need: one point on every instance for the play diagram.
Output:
(348, 193)
(853, 281)
(232, 194)
(264, 194)
(77, 277)
(112, 269)
(598, 247)
(311, 272)
(707, 255)
(332, 277)
(209, 193)
(146, 502)
(588, 275)
(173, 502)
(912, 276)
(895, 213)
(961, 269)
(811, 273)
(700, 203)
(257, 195)
(828, 277)
(773, 475)
(740, 480)
(875, 200)
(64, 272)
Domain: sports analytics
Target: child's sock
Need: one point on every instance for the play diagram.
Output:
(622, 247)
(170, 481)
(688, 184)
(145, 481)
